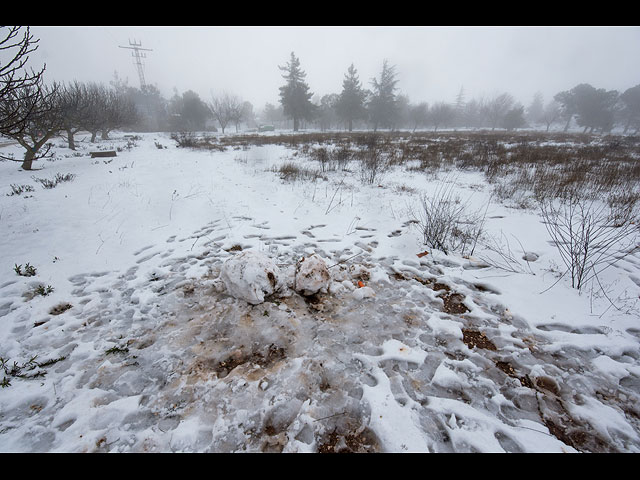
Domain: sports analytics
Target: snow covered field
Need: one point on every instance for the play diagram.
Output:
(138, 346)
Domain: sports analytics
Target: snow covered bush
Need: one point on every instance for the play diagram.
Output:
(250, 276)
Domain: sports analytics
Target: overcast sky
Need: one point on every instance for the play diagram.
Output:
(432, 63)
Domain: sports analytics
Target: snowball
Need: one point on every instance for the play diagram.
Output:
(250, 276)
(312, 275)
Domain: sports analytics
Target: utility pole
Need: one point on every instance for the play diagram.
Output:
(137, 58)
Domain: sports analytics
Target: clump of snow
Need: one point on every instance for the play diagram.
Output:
(312, 276)
(250, 276)
(363, 292)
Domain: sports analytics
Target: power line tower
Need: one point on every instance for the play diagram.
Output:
(137, 58)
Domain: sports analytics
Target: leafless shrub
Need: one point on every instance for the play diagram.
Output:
(499, 254)
(323, 157)
(185, 139)
(447, 223)
(19, 189)
(589, 235)
(372, 159)
(290, 171)
(59, 178)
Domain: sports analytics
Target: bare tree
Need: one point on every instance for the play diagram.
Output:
(498, 107)
(97, 106)
(551, 113)
(74, 108)
(419, 115)
(120, 111)
(39, 106)
(236, 110)
(15, 81)
(441, 113)
(226, 108)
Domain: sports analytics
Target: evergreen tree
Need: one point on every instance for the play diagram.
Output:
(594, 108)
(459, 108)
(351, 102)
(535, 111)
(189, 111)
(631, 107)
(295, 96)
(514, 118)
(383, 105)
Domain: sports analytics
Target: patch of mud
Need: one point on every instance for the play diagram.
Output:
(453, 301)
(508, 369)
(364, 441)
(60, 308)
(262, 359)
(474, 338)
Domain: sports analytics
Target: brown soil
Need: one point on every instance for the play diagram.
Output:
(60, 308)
(363, 442)
(272, 355)
(473, 338)
(453, 303)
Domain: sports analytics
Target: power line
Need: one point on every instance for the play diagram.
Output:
(138, 55)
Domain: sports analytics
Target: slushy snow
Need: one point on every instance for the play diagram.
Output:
(183, 318)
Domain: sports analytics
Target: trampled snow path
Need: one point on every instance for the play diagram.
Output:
(440, 355)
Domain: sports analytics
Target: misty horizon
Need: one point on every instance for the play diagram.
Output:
(433, 64)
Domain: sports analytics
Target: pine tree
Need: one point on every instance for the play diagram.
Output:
(382, 106)
(459, 108)
(535, 111)
(351, 102)
(295, 96)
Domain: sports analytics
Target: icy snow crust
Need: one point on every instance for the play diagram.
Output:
(159, 353)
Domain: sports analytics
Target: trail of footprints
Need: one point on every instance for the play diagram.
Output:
(476, 349)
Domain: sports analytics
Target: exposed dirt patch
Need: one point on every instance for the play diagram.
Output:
(454, 303)
(60, 308)
(507, 368)
(265, 359)
(577, 437)
(474, 338)
(314, 302)
(362, 442)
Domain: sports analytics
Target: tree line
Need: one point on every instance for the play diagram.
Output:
(32, 113)
(383, 106)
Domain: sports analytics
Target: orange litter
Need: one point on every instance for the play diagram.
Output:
(422, 254)
(360, 283)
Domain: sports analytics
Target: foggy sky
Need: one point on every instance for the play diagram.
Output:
(432, 63)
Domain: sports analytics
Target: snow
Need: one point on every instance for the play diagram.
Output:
(312, 276)
(250, 276)
(179, 340)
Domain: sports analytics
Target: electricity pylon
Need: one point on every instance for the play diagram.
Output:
(137, 58)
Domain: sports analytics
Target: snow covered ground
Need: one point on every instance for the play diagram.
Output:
(138, 346)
